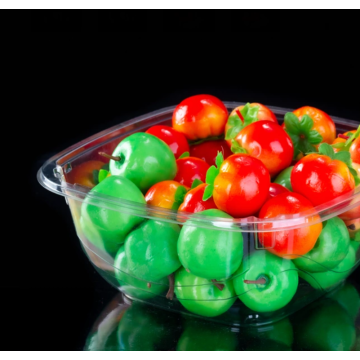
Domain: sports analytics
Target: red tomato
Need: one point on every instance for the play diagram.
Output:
(289, 244)
(189, 169)
(176, 140)
(208, 150)
(193, 201)
(200, 116)
(321, 179)
(83, 173)
(166, 194)
(264, 113)
(268, 142)
(355, 151)
(242, 185)
(275, 190)
(322, 122)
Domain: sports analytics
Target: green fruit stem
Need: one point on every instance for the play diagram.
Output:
(219, 286)
(170, 293)
(115, 158)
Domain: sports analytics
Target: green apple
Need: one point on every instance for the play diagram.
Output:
(329, 250)
(328, 279)
(144, 159)
(133, 286)
(202, 297)
(265, 282)
(106, 228)
(151, 250)
(210, 253)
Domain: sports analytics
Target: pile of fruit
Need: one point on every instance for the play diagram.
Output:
(226, 166)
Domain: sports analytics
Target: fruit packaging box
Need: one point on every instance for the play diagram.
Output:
(263, 289)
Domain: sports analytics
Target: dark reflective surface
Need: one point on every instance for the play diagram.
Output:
(331, 323)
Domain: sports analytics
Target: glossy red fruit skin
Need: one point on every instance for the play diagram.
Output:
(176, 140)
(189, 169)
(355, 151)
(321, 179)
(289, 243)
(242, 186)
(275, 190)
(268, 142)
(193, 201)
(200, 117)
(208, 150)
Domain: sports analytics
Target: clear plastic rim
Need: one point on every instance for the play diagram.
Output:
(321, 213)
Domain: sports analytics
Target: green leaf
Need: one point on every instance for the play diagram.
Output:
(102, 175)
(314, 137)
(338, 145)
(236, 148)
(292, 124)
(232, 133)
(179, 195)
(305, 147)
(306, 123)
(196, 183)
(106, 167)
(211, 174)
(234, 120)
(355, 175)
(219, 159)
(326, 149)
(208, 192)
(343, 156)
(184, 155)
(95, 174)
(352, 137)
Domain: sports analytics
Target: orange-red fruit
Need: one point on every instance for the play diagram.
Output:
(200, 117)
(189, 169)
(163, 193)
(193, 201)
(292, 243)
(321, 179)
(242, 185)
(268, 142)
(322, 122)
(355, 151)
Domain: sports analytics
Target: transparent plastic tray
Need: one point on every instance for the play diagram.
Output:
(55, 175)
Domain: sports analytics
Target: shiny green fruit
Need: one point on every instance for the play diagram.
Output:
(151, 250)
(277, 281)
(210, 253)
(131, 285)
(328, 279)
(205, 336)
(105, 228)
(202, 297)
(329, 250)
(284, 178)
(326, 327)
(144, 159)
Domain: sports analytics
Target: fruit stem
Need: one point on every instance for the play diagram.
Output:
(219, 286)
(240, 115)
(261, 281)
(342, 136)
(148, 285)
(115, 158)
(170, 293)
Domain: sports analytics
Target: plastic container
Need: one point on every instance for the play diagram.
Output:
(288, 281)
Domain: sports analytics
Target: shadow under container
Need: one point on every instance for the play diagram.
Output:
(234, 300)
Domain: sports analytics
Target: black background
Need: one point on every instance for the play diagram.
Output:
(80, 83)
